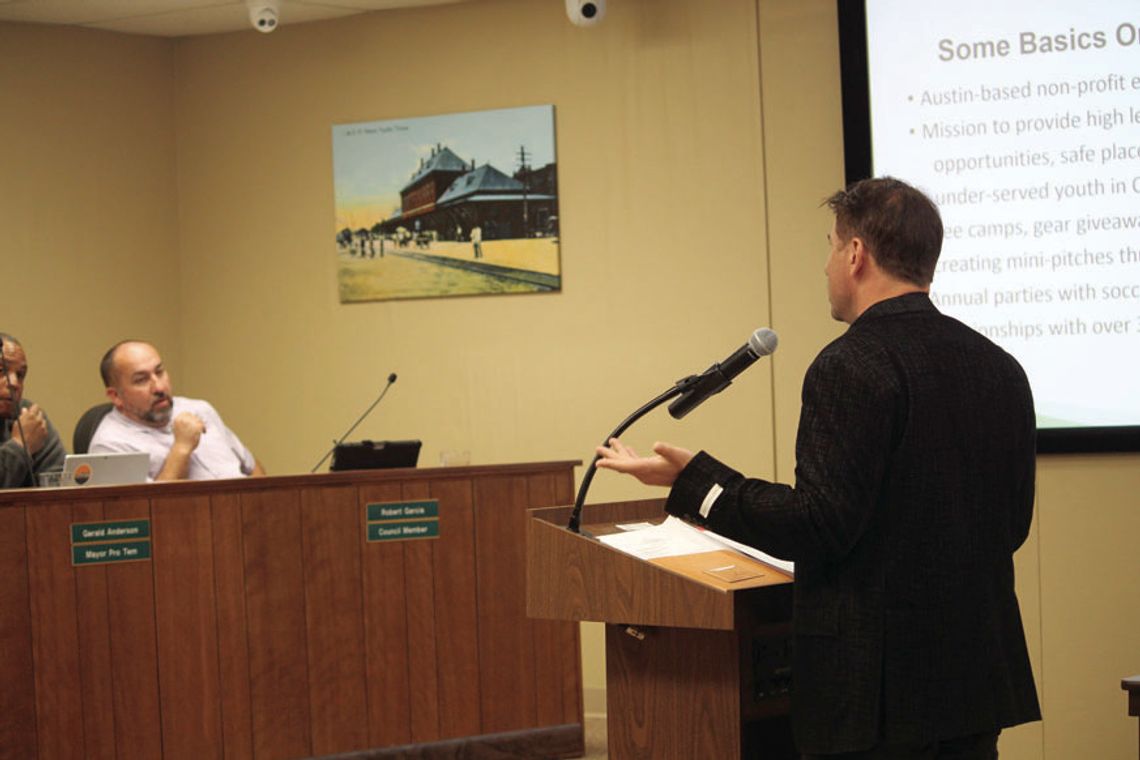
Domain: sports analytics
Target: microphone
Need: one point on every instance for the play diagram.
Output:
(391, 379)
(689, 393)
(716, 378)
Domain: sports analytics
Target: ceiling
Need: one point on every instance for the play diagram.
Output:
(181, 18)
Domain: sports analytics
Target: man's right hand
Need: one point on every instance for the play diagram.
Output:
(31, 432)
(188, 429)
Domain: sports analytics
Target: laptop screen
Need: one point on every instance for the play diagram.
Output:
(371, 455)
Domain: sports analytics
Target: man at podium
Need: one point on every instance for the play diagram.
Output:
(915, 464)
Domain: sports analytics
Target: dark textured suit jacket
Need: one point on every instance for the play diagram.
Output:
(914, 487)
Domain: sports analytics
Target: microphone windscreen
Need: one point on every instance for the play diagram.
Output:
(392, 377)
(763, 341)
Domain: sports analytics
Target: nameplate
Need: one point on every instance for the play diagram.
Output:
(112, 541)
(402, 531)
(402, 520)
(124, 530)
(403, 510)
(99, 554)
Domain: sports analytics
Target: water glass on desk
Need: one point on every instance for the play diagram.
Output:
(50, 478)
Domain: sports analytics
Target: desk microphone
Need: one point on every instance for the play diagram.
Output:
(391, 379)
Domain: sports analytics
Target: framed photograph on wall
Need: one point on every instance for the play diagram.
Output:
(452, 205)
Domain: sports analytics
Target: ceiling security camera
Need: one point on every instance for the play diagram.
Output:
(585, 12)
(263, 15)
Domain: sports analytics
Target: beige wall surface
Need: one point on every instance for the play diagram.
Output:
(662, 232)
(693, 149)
(88, 222)
(1088, 521)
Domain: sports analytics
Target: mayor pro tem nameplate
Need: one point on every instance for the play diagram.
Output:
(99, 543)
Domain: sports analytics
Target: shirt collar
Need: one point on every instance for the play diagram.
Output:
(907, 303)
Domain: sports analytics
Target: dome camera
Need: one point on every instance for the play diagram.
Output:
(263, 16)
(585, 12)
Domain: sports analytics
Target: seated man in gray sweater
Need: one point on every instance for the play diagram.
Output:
(28, 443)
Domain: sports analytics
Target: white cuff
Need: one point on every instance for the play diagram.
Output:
(710, 498)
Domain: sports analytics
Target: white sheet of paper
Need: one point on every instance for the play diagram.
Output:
(670, 538)
(675, 536)
(633, 526)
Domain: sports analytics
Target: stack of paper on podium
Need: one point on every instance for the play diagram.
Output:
(675, 537)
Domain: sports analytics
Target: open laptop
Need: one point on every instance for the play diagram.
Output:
(105, 469)
(372, 455)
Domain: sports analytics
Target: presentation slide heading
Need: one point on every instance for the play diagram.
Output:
(1127, 34)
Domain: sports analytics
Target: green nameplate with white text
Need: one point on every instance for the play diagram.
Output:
(403, 530)
(403, 510)
(98, 543)
(97, 554)
(119, 530)
(402, 520)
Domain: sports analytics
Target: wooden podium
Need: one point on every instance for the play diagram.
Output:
(284, 617)
(696, 666)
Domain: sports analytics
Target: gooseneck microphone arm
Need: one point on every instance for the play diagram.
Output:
(692, 392)
(347, 433)
(680, 387)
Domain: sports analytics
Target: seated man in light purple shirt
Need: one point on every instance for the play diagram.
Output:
(186, 438)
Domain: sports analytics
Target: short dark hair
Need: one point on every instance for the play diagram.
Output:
(107, 364)
(900, 225)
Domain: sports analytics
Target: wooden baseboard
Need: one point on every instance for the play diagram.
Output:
(532, 744)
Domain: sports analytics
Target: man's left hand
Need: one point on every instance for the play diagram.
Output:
(661, 469)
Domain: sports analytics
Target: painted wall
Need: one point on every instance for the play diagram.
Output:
(694, 149)
(88, 208)
(662, 239)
